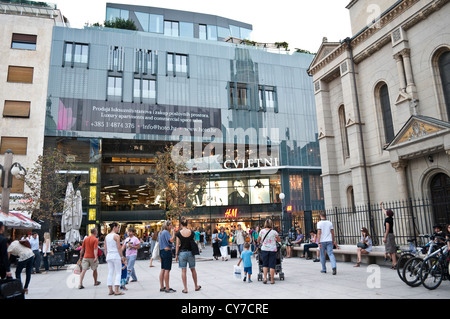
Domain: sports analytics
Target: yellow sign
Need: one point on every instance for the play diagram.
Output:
(93, 177)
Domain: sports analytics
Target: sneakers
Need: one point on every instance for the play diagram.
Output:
(245, 279)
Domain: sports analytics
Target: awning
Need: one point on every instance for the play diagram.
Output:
(18, 220)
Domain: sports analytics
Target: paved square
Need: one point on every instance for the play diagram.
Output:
(303, 280)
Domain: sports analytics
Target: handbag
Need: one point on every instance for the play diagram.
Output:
(194, 248)
(362, 245)
(155, 252)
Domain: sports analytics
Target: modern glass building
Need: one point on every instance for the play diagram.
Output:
(116, 97)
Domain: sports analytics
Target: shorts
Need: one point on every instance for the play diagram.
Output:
(166, 259)
(248, 270)
(269, 258)
(184, 258)
(87, 263)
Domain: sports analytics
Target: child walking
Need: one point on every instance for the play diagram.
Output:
(123, 278)
(246, 257)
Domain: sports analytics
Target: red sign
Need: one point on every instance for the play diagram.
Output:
(231, 213)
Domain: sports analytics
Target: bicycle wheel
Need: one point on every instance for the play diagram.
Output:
(411, 272)
(402, 262)
(431, 273)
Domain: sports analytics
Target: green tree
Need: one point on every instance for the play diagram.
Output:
(119, 23)
(174, 181)
(46, 188)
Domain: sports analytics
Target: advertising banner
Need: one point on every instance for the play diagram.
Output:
(137, 118)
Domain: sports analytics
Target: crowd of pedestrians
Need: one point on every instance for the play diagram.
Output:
(183, 245)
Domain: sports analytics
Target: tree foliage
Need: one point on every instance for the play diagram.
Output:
(117, 23)
(174, 180)
(46, 188)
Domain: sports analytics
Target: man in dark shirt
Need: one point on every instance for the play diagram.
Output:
(5, 270)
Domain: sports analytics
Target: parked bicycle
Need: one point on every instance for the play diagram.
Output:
(411, 252)
(411, 270)
(435, 269)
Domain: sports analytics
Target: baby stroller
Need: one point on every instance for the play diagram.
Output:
(278, 267)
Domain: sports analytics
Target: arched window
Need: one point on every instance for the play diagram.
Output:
(385, 104)
(444, 71)
(343, 130)
(351, 198)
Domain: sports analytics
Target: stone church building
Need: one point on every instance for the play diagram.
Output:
(383, 105)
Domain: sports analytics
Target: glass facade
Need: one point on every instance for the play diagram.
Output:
(176, 23)
(246, 116)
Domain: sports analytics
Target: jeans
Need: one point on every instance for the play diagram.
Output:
(184, 258)
(130, 267)
(328, 247)
(37, 260)
(306, 248)
(28, 265)
(46, 264)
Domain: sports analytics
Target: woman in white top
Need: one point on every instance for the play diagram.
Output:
(364, 247)
(26, 259)
(46, 251)
(114, 258)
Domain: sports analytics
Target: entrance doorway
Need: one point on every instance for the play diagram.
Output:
(440, 198)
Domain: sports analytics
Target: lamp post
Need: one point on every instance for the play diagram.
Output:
(8, 171)
(282, 196)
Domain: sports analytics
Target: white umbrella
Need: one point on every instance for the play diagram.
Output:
(72, 215)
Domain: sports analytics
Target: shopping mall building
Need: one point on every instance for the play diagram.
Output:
(116, 97)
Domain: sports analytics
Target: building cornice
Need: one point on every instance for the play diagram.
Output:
(371, 30)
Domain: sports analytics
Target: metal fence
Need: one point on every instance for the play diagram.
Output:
(412, 219)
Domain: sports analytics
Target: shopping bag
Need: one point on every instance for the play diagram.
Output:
(77, 269)
(237, 272)
(155, 252)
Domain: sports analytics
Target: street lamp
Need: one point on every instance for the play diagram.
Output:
(282, 196)
(8, 170)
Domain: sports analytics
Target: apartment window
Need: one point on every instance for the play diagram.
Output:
(114, 86)
(144, 89)
(18, 145)
(171, 28)
(202, 34)
(23, 41)
(16, 109)
(212, 32)
(267, 99)
(20, 74)
(145, 62)
(116, 59)
(148, 89)
(114, 13)
(177, 63)
(76, 53)
(239, 95)
(156, 23)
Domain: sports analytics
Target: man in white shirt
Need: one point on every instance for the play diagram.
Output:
(34, 242)
(325, 234)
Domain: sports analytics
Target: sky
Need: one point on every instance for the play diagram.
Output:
(301, 23)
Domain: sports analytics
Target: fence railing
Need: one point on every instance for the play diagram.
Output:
(412, 219)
